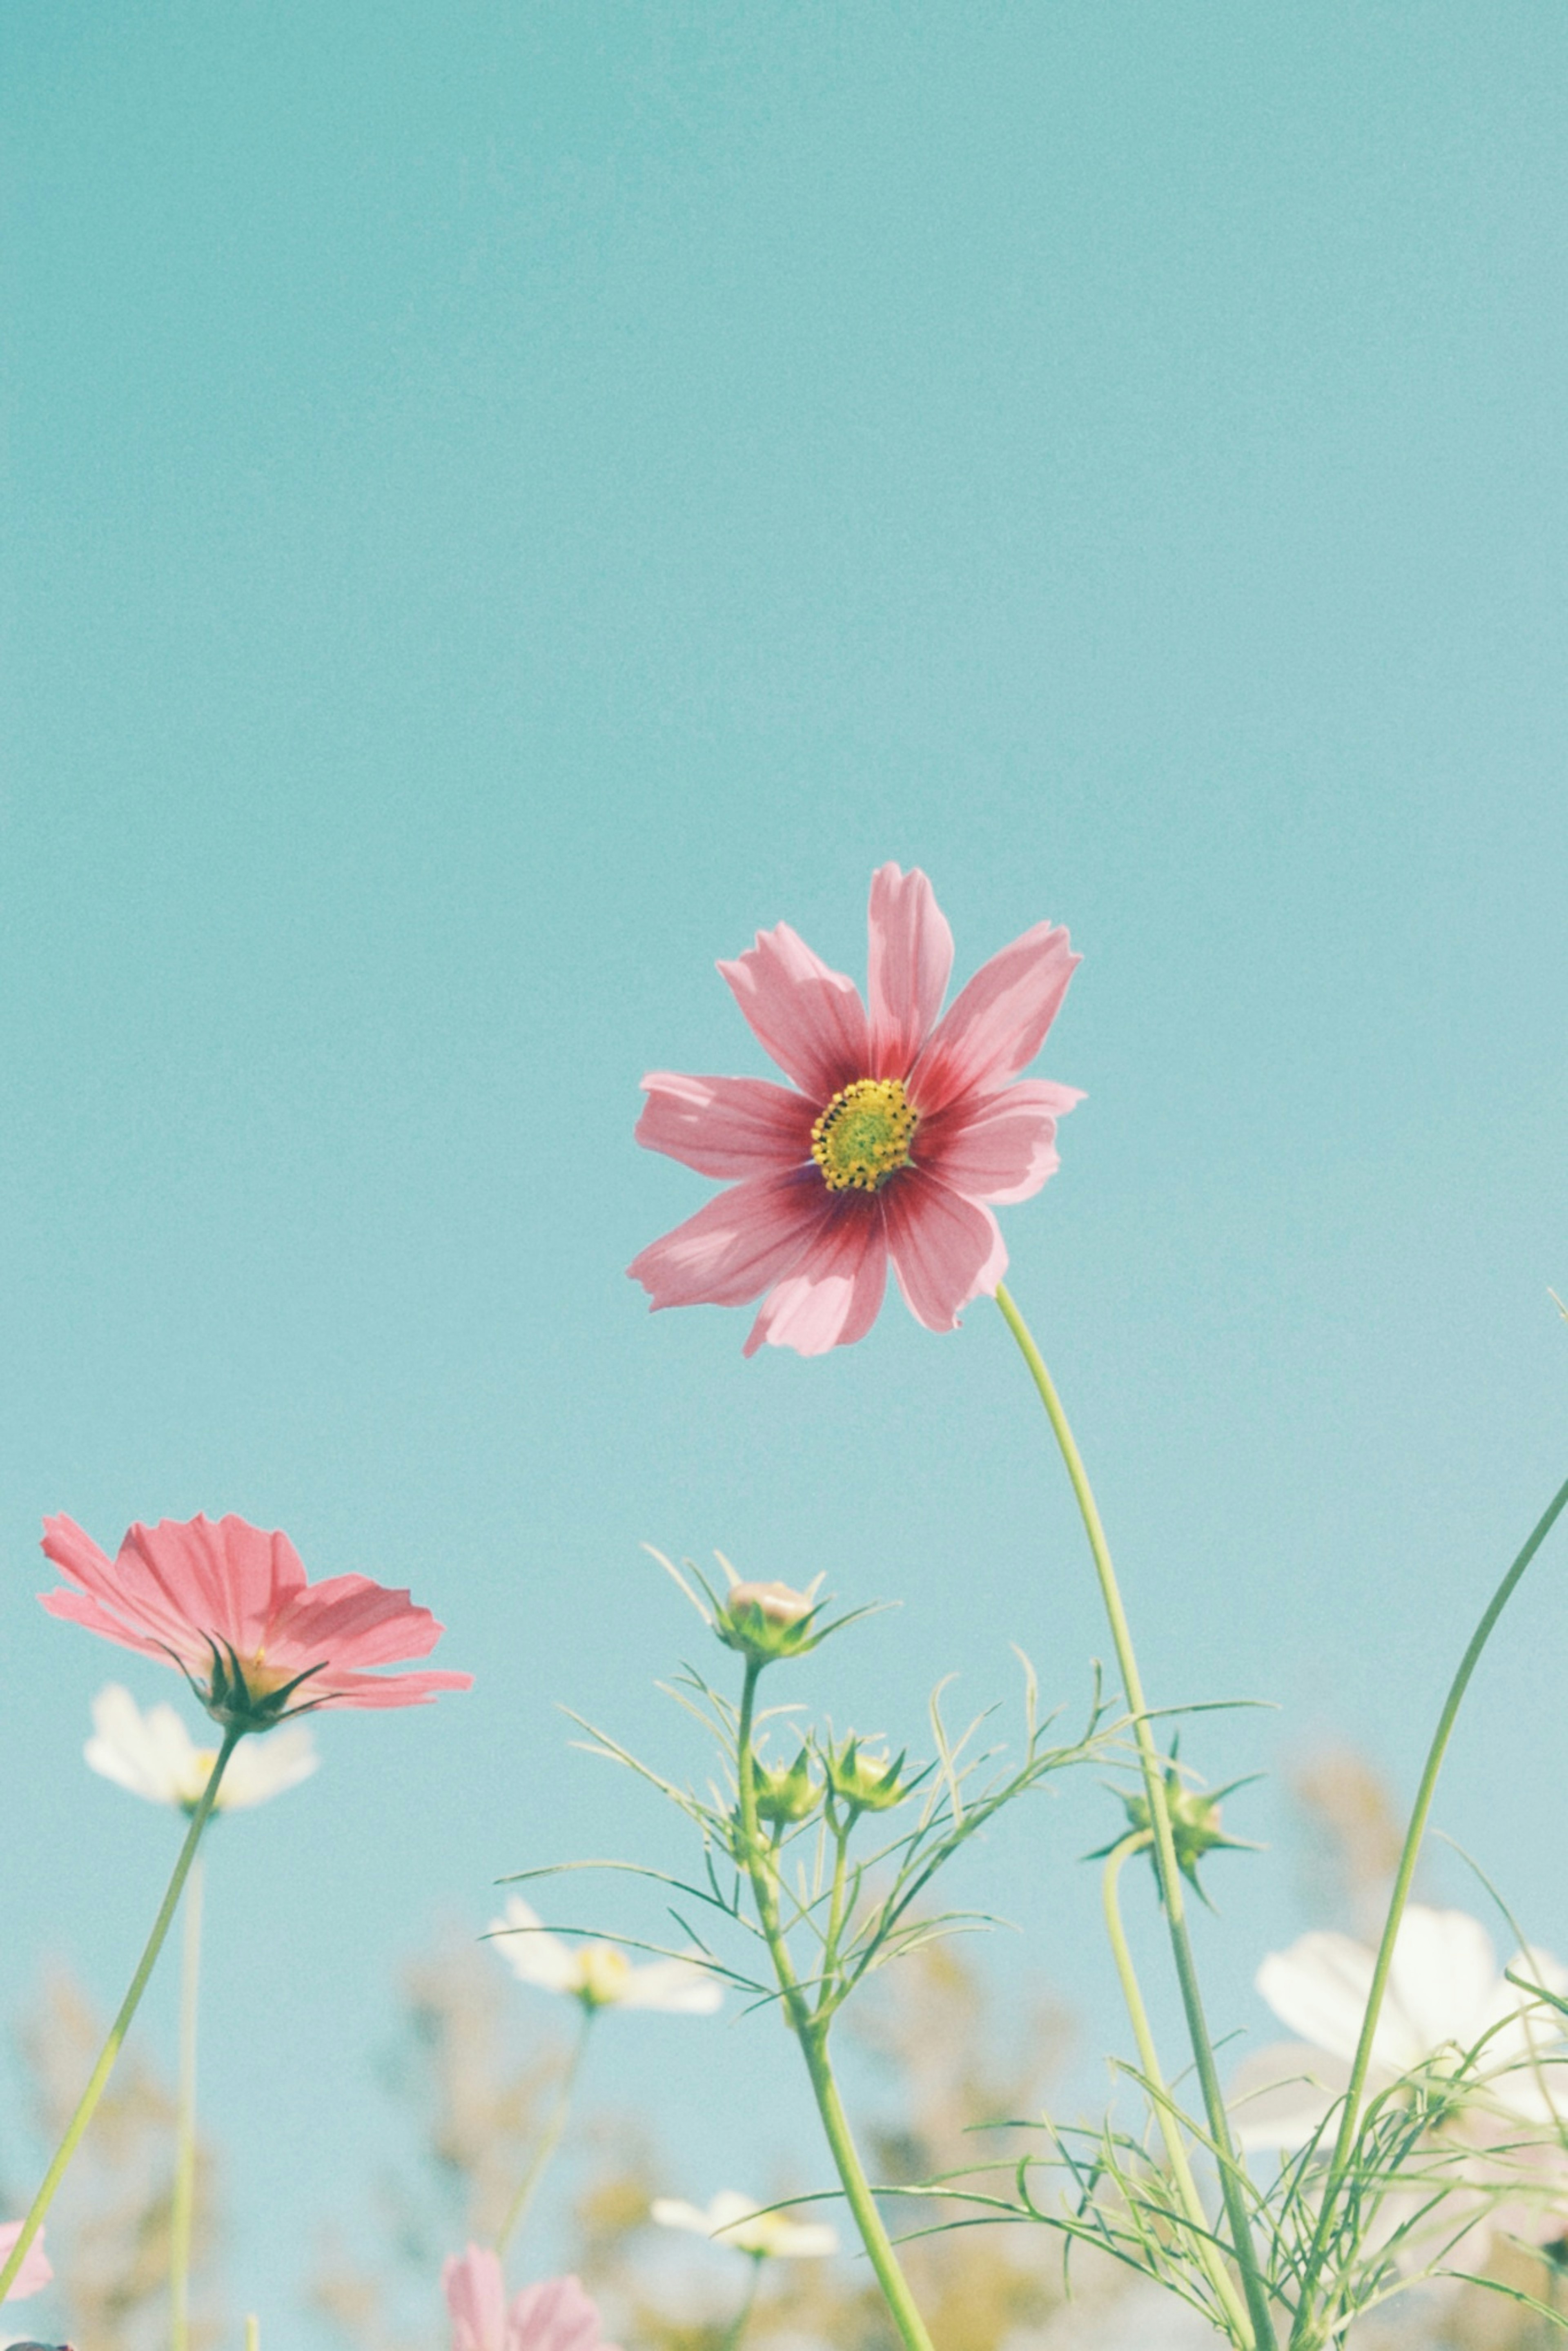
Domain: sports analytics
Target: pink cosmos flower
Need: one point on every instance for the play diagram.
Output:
(554, 2316)
(898, 1132)
(35, 2272)
(230, 1607)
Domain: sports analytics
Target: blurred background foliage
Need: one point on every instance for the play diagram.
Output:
(473, 2070)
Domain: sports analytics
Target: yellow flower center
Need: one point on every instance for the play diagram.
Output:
(604, 1972)
(864, 1135)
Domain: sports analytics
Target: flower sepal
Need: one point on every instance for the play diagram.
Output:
(863, 1783)
(1196, 1825)
(786, 1793)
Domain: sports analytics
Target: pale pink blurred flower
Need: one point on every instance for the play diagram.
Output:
(599, 1974)
(35, 2272)
(229, 1605)
(898, 1132)
(556, 2315)
(153, 1755)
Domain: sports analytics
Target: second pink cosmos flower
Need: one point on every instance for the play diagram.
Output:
(902, 1126)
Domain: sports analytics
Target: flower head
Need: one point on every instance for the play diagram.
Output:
(154, 1756)
(35, 2272)
(899, 1130)
(556, 2315)
(735, 2220)
(599, 1974)
(229, 1605)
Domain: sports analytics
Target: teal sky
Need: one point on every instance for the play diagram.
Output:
(501, 501)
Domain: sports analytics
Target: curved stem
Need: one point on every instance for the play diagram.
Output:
(182, 2209)
(1232, 2178)
(549, 2137)
(1350, 2116)
(1170, 2129)
(738, 2324)
(122, 2025)
(812, 2035)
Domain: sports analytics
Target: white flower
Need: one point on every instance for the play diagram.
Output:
(598, 1974)
(735, 2220)
(154, 1756)
(1445, 1999)
(1446, 2012)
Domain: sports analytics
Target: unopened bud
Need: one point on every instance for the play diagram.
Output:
(867, 1784)
(765, 1621)
(786, 1795)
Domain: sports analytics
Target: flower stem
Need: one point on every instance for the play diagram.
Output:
(549, 2137)
(122, 2025)
(184, 2205)
(1232, 2178)
(812, 2032)
(1350, 2116)
(253, 2333)
(740, 2322)
(1203, 2242)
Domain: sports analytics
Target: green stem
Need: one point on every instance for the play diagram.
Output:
(183, 2209)
(740, 2322)
(1232, 2178)
(122, 2025)
(1350, 2116)
(812, 2032)
(1170, 2129)
(253, 2333)
(549, 2137)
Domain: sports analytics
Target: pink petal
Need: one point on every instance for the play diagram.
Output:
(910, 964)
(946, 1250)
(811, 1019)
(333, 1688)
(725, 1127)
(354, 1622)
(476, 2300)
(224, 1578)
(35, 2272)
(996, 1024)
(996, 1146)
(80, 1608)
(836, 1295)
(556, 2315)
(749, 1237)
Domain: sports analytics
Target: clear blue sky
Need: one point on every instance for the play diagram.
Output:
(501, 502)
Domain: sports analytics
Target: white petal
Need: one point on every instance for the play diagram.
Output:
(1319, 1988)
(674, 2213)
(1444, 1978)
(677, 1986)
(260, 1768)
(151, 1755)
(1280, 2095)
(535, 1956)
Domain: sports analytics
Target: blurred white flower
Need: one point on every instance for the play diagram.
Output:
(735, 2220)
(154, 1756)
(1495, 2163)
(1445, 1999)
(598, 1974)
